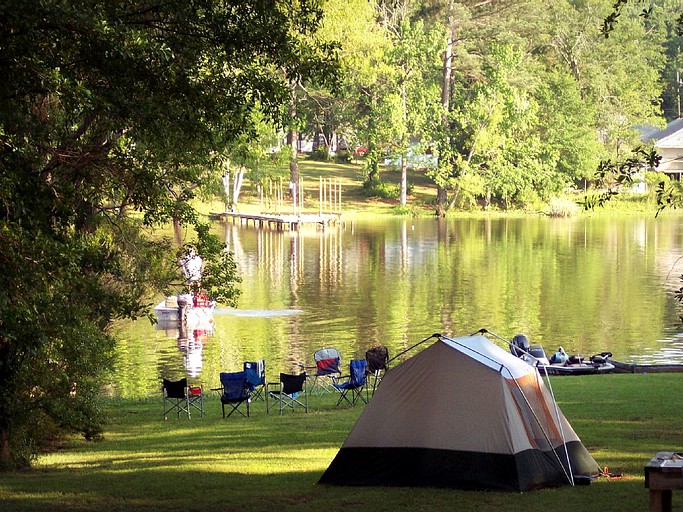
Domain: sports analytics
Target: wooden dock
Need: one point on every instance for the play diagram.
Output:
(620, 367)
(280, 222)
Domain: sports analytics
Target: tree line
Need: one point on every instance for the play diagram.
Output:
(517, 99)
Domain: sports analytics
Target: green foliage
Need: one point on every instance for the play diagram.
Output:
(321, 154)
(343, 157)
(379, 190)
(612, 176)
(110, 114)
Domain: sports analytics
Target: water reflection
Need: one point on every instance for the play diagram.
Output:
(191, 332)
(588, 284)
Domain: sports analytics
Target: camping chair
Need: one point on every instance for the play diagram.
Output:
(377, 358)
(327, 362)
(180, 397)
(256, 377)
(354, 383)
(234, 392)
(195, 395)
(288, 392)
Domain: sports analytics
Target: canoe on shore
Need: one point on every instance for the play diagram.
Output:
(620, 367)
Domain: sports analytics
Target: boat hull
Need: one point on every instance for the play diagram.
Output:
(578, 369)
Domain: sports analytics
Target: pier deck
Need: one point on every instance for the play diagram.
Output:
(278, 221)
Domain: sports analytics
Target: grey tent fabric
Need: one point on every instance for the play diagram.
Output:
(462, 413)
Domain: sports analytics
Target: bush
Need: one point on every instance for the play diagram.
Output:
(558, 207)
(343, 157)
(321, 154)
(380, 190)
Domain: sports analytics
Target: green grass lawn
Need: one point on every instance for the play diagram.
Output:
(354, 202)
(272, 462)
(421, 201)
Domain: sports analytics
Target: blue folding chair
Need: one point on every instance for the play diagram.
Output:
(256, 377)
(235, 392)
(353, 384)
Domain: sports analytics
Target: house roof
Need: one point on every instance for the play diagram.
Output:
(671, 136)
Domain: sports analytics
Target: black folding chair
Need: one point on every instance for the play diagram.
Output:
(377, 358)
(289, 392)
(180, 397)
(234, 392)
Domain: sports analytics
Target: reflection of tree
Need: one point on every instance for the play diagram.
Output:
(390, 283)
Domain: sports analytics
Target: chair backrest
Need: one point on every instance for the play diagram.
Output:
(327, 361)
(357, 369)
(256, 372)
(175, 389)
(377, 358)
(234, 385)
(292, 383)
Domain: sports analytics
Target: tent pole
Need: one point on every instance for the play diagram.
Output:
(570, 476)
(416, 345)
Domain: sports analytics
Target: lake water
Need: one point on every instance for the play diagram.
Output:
(590, 284)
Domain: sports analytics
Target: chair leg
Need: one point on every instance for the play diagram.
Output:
(197, 402)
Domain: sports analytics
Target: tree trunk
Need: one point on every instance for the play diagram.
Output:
(404, 181)
(226, 187)
(441, 192)
(177, 231)
(292, 135)
(6, 459)
(441, 201)
(404, 144)
(237, 187)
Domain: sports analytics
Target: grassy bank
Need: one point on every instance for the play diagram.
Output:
(273, 463)
(421, 201)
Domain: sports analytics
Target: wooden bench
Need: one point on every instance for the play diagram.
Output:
(663, 474)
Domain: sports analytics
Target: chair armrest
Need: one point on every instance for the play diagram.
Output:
(270, 385)
(340, 378)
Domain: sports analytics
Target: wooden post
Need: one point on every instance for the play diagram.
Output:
(301, 195)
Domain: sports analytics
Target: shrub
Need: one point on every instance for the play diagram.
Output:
(321, 154)
(380, 190)
(343, 157)
(559, 207)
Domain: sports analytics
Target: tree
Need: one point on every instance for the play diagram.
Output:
(344, 112)
(468, 25)
(305, 73)
(105, 110)
(414, 58)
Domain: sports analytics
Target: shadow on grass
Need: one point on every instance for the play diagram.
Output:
(272, 462)
(174, 489)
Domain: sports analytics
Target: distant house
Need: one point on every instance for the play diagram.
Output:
(669, 145)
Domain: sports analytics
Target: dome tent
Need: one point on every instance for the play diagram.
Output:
(463, 413)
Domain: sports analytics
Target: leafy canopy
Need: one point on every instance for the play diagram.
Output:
(110, 115)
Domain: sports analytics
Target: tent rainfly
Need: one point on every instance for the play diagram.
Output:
(463, 413)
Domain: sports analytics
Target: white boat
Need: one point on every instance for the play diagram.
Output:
(572, 365)
(193, 311)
